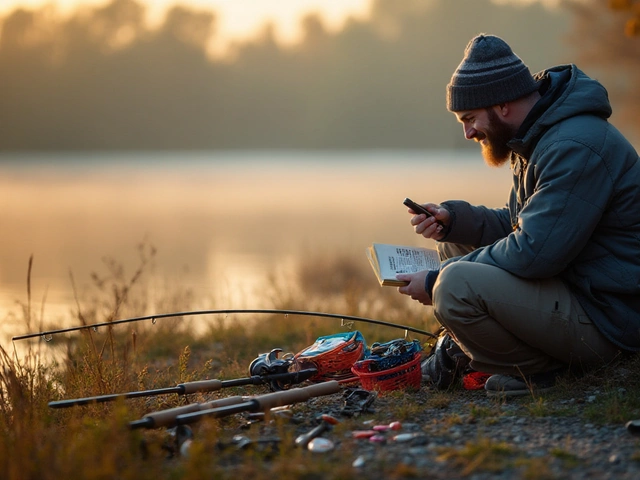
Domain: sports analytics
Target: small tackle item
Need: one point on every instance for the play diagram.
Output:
(326, 422)
(357, 401)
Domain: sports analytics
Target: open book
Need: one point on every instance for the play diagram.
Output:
(389, 260)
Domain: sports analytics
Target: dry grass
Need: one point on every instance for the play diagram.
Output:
(479, 455)
(37, 442)
(95, 442)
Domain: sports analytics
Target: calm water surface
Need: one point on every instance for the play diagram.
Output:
(221, 221)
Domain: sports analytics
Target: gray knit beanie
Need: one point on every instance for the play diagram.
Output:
(489, 74)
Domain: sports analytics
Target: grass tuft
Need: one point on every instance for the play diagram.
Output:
(482, 454)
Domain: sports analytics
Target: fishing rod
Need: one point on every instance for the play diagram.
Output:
(47, 335)
(194, 412)
(186, 388)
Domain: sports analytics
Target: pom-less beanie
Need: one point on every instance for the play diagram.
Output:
(489, 74)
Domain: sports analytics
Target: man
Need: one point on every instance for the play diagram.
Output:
(552, 280)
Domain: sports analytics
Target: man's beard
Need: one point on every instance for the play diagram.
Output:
(495, 150)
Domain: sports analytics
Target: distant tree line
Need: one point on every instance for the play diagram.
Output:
(607, 39)
(103, 79)
(632, 23)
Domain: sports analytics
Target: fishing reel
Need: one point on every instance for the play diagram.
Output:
(271, 363)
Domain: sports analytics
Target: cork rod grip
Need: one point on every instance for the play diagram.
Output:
(166, 418)
(201, 386)
(295, 395)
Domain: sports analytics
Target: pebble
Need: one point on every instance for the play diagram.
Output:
(404, 437)
(320, 445)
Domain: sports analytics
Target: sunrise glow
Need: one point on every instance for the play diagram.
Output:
(237, 20)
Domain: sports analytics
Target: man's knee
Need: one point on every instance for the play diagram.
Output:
(461, 291)
(452, 288)
(451, 277)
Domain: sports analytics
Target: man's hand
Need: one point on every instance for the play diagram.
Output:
(428, 226)
(415, 289)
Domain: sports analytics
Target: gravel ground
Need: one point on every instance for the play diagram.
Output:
(565, 447)
(465, 434)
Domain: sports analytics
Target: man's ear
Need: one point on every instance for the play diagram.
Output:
(504, 109)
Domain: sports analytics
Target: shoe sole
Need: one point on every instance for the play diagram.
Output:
(516, 393)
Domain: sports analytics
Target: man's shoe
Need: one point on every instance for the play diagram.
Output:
(515, 386)
(445, 363)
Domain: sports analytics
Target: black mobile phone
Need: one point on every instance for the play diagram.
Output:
(416, 207)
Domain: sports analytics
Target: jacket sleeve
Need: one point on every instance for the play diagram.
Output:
(567, 188)
(476, 226)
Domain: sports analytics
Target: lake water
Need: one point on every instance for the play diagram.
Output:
(221, 221)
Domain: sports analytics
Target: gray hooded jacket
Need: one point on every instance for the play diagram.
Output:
(574, 209)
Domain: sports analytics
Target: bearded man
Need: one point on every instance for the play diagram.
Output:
(551, 281)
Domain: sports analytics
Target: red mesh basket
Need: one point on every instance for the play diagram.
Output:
(407, 375)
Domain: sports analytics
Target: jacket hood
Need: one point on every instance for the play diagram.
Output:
(566, 92)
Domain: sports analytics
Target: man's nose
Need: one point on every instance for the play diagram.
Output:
(469, 132)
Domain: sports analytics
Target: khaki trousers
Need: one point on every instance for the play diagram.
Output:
(510, 325)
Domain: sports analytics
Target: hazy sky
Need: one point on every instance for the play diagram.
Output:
(238, 18)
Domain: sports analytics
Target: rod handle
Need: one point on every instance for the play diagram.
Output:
(200, 386)
(166, 418)
(295, 395)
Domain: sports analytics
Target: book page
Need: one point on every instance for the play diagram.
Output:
(371, 255)
(395, 259)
